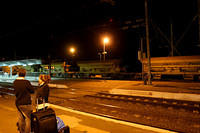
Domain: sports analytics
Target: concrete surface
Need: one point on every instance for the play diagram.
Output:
(156, 94)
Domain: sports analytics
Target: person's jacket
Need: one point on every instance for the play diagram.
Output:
(23, 90)
(43, 91)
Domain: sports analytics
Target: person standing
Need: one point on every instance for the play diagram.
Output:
(23, 90)
(43, 89)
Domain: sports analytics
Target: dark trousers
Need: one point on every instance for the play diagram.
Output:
(24, 118)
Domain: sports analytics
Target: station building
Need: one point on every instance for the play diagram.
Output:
(10, 68)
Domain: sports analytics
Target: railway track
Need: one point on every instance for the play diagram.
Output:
(187, 105)
(167, 103)
(6, 91)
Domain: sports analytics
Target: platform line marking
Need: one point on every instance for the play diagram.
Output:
(157, 94)
(113, 120)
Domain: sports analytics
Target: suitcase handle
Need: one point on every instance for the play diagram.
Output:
(43, 100)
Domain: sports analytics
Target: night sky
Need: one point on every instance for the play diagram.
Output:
(39, 30)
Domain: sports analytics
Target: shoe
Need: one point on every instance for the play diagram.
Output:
(17, 124)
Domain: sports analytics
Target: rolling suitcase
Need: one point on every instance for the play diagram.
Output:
(44, 120)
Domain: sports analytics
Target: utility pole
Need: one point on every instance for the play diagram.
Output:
(172, 39)
(141, 43)
(49, 64)
(198, 14)
(147, 41)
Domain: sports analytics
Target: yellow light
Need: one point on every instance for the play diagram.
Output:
(72, 50)
(105, 40)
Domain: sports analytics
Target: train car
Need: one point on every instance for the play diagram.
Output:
(187, 67)
(97, 69)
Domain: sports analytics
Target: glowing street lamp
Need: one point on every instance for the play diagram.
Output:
(72, 50)
(105, 41)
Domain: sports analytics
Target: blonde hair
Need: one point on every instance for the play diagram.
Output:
(45, 78)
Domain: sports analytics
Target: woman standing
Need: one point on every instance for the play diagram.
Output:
(43, 89)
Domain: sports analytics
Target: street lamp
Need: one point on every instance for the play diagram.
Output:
(99, 55)
(105, 41)
(72, 51)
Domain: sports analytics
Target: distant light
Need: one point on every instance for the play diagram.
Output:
(106, 40)
(72, 50)
(30, 64)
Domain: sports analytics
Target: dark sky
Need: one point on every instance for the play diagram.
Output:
(34, 30)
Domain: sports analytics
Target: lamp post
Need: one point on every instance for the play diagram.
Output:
(99, 56)
(72, 51)
(105, 41)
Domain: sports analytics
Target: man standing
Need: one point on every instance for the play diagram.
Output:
(23, 90)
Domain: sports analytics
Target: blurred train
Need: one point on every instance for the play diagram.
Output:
(186, 67)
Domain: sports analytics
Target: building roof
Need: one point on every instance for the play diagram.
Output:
(21, 62)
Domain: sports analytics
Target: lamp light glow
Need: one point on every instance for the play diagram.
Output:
(72, 50)
(105, 40)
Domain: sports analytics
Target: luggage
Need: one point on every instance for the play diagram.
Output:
(60, 123)
(64, 130)
(44, 121)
